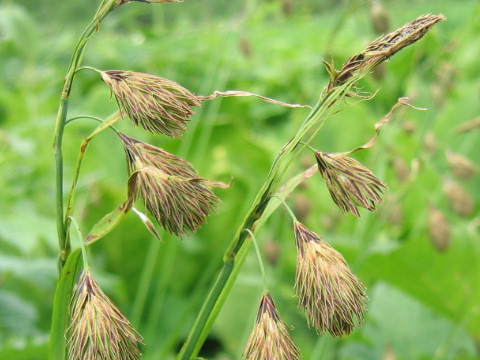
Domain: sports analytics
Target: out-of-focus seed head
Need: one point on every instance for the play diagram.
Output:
(98, 329)
(461, 166)
(270, 338)
(401, 169)
(121, 2)
(444, 84)
(350, 183)
(379, 17)
(169, 186)
(158, 105)
(333, 298)
(272, 251)
(382, 49)
(438, 229)
(430, 142)
(302, 206)
(389, 353)
(458, 198)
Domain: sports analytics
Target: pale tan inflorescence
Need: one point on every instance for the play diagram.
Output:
(270, 338)
(350, 183)
(333, 298)
(169, 186)
(157, 104)
(98, 329)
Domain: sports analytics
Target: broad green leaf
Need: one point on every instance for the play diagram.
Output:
(107, 223)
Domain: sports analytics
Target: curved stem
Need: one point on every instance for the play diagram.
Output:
(290, 212)
(105, 7)
(260, 261)
(83, 148)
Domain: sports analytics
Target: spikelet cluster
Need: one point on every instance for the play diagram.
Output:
(382, 49)
(333, 298)
(98, 329)
(158, 105)
(270, 338)
(169, 186)
(350, 183)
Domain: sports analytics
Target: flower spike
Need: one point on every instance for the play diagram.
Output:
(331, 295)
(170, 187)
(98, 329)
(158, 105)
(270, 338)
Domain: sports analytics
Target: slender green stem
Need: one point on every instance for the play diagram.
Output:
(105, 7)
(260, 261)
(82, 242)
(292, 215)
(112, 119)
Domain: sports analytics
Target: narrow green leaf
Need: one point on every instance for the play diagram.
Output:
(63, 294)
(108, 223)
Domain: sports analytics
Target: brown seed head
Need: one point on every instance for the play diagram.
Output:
(458, 198)
(157, 104)
(331, 295)
(379, 18)
(438, 229)
(270, 338)
(382, 49)
(98, 329)
(170, 187)
(461, 166)
(350, 183)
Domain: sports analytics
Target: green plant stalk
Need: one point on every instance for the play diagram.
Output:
(112, 119)
(60, 317)
(64, 244)
(232, 262)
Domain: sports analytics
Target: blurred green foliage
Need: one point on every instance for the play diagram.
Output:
(424, 303)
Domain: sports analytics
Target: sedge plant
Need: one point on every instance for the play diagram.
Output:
(86, 324)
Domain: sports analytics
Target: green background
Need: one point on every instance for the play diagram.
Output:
(424, 303)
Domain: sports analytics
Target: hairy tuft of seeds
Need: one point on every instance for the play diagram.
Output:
(98, 329)
(170, 187)
(331, 295)
(270, 338)
(350, 183)
(382, 49)
(158, 105)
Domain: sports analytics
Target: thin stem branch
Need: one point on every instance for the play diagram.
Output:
(83, 148)
(260, 261)
(105, 7)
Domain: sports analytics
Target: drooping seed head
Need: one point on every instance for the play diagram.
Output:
(458, 198)
(98, 329)
(438, 229)
(350, 183)
(382, 49)
(270, 338)
(461, 166)
(158, 105)
(330, 294)
(169, 186)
